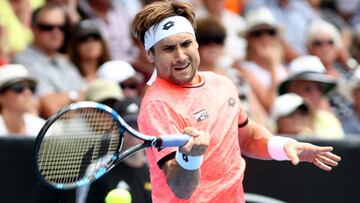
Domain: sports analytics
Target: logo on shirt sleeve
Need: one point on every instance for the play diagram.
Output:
(231, 101)
(201, 115)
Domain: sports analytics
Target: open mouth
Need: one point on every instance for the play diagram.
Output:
(182, 67)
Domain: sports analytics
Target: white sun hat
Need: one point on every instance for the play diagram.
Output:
(116, 70)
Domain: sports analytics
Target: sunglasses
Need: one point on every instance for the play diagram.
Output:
(262, 32)
(129, 86)
(320, 43)
(21, 87)
(48, 27)
(89, 38)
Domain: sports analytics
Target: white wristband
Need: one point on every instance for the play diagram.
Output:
(276, 147)
(188, 162)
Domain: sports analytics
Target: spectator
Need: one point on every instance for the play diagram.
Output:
(121, 72)
(17, 87)
(323, 40)
(233, 23)
(132, 174)
(60, 83)
(114, 23)
(355, 45)
(351, 121)
(105, 92)
(211, 34)
(88, 50)
(333, 17)
(15, 18)
(308, 80)
(71, 9)
(290, 115)
(294, 17)
(263, 68)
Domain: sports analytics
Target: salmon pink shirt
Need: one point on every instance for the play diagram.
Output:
(212, 106)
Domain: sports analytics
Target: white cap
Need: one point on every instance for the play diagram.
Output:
(117, 71)
(286, 104)
(257, 17)
(11, 73)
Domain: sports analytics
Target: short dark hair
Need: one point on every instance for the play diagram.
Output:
(46, 6)
(155, 12)
(210, 30)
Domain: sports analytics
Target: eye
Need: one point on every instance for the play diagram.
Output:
(187, 43)
(168, 48)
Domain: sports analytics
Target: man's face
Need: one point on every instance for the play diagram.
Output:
(176, 58)
(49, 30)
(310, 91)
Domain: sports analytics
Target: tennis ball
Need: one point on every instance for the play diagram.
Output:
(118, 196)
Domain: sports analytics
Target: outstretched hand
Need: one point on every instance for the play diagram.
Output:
(322, 157)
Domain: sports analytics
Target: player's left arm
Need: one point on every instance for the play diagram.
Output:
(258, 142)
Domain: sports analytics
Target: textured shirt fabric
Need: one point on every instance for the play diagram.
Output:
(212, 106)
(56, 74)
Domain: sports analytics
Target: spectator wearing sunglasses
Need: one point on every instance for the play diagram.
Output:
(308, 80)
(17, 88)
(324, 40)
(263, 68)
(60, 82)
(88, 50)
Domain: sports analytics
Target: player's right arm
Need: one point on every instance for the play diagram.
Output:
(183, 182)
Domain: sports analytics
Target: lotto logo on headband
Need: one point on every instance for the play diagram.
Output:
(167, 27)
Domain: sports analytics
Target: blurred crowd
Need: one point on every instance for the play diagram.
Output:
(51, 51)
(295, 62)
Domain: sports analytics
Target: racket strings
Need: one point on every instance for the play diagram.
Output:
(77, 144)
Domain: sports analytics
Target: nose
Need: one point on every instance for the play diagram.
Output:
(179, 54)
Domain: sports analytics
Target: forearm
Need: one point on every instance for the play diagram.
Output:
(253, 140)
(181, 181)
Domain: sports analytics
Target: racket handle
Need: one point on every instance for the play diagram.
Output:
(176, 140)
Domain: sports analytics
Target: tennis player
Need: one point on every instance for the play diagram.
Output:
(209, 168)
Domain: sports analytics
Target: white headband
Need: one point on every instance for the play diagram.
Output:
(167, 27)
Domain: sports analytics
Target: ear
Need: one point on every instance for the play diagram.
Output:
(150, 56)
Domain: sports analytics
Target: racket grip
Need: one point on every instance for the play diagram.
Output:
(176, 140)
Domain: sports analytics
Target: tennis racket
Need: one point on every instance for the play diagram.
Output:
(83, 141)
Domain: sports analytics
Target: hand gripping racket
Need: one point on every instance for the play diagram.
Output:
(83, 141)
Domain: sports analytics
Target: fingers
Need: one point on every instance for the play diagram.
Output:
(197, 144)
(292, 155)
(185, 149)
(191, 131)
(332, 156)
(321, 165)
(327, 160)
